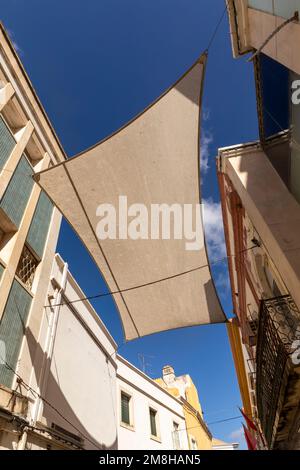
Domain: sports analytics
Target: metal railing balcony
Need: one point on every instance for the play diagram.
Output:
(279, 328)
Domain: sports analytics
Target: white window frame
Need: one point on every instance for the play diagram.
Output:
(129, 426)
(156, 437)
(176, 432)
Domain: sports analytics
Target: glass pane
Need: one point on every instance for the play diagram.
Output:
(283, 8)
(275, 84)
(17, 193)
(263, 5)
(286, 8)
(295, 154)
(125, 415)
(7, 142)
(12, 329)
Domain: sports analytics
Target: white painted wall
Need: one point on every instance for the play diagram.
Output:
(81, 382)
(146, 393)
(83, 379)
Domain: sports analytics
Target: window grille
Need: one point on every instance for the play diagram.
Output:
(27, 267)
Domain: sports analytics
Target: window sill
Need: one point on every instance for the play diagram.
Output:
(130, 427)
(155, 438)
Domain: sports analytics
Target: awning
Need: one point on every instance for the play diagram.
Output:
(154, 159)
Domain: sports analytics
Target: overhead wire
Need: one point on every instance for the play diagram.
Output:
(216, 29)
(34, 392)
(38, 395)
(140, 286)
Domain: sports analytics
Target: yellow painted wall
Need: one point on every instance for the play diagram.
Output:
(239, 362)
(192, 410)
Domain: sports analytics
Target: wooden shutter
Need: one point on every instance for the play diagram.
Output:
(7, 143)
(17, 193)
(125, 412)
(12, 329)
(39, 226)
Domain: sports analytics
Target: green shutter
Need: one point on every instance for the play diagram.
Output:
(17, 193)
(153, 422)
(12, 329)
(125, 414)
(1, 270)
(39, 227)
(7, 143)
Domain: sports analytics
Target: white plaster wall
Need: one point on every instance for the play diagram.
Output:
(273, 210)
(146, 393)
(82, 378)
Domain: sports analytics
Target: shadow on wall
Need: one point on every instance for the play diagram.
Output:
(59, 401)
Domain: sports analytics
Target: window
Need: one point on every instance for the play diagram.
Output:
(17, 193)
(125, 409)
(27, 267)
(7, 142)
(176, 436)
(153, 422)
(39, 226)
(12, 329)
(194, 444)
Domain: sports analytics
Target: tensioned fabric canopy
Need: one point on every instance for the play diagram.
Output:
(154, 159)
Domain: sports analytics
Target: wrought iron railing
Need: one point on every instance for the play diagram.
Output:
(279, 327)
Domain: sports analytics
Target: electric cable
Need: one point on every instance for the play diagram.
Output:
(295, 17)
(140, 286)
(38, 395)
(215, 31)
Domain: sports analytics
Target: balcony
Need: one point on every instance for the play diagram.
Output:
(278, 372)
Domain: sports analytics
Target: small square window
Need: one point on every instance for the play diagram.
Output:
(125, 408)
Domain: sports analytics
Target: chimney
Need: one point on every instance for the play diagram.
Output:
(168, 374)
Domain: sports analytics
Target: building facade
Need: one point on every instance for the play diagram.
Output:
(260, 194)
(183, 388)
(261, 222)
(217, 444)
(77, 380)
(29, 226)
(149, 417)
(252, 22)
(85, 395)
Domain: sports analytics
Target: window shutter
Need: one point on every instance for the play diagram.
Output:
(39, 226)
(153, 422)
(1, 270)
(12, 328)
(7, 143)
(17, 193)
(125, 415)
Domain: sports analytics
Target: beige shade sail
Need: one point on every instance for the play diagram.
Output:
(154, 159)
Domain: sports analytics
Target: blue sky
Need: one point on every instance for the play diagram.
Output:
(95, 64)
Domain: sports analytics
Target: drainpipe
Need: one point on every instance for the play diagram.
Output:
(49, 346)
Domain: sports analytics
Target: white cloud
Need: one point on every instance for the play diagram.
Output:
(222, 283)
(14, 43)
(237, 435)
(213, 225)
(206, 140)
(205, 114)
